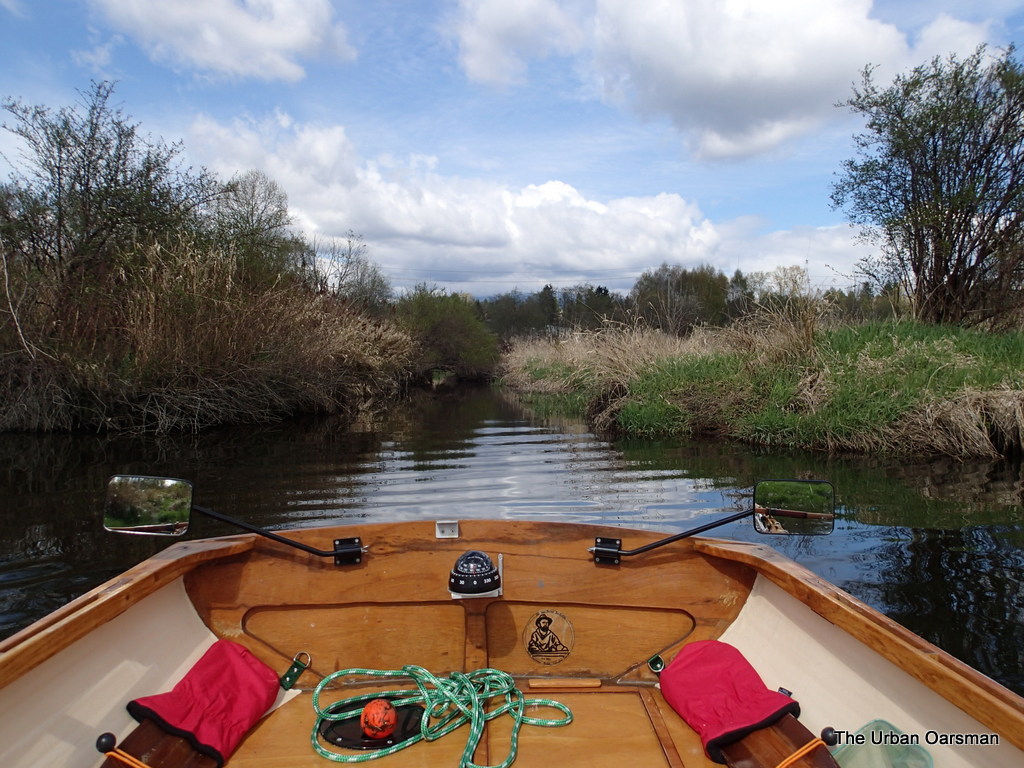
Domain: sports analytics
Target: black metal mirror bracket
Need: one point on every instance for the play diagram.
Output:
(610, 552)
(348, 551)
(607, 551)
(345, 552)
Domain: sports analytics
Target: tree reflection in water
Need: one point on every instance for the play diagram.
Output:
(964, 591)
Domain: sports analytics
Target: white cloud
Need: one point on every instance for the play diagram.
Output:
(483, 236)
(236, 38)
(99, 58)
(829, 254)
(738, 77)
(735, 78)
(496, 37)
(945, 35)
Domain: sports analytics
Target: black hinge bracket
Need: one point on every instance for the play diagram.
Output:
(348, 551)
(607, 551)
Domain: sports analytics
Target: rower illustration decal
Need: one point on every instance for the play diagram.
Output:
(548, 637)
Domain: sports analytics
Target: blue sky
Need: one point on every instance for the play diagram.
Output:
(489, 145)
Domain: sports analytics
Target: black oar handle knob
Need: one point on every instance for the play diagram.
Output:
(106, 742)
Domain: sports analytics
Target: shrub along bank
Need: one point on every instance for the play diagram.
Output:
(893, 388)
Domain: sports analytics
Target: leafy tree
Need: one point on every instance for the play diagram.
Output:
(789, 281)
(589, 307)
(515, 313)
(449, 334)
(780, 286)
(548, 301)
(938, 184)
(675, 299)
(739, 296)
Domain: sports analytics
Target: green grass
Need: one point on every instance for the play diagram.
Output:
(545, 405)
(653, 418)
(539, 370)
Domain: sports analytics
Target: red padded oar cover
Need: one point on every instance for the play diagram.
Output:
(716, 691)
(217, 701)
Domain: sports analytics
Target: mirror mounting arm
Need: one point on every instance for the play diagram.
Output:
(609, 552)
(345, 552)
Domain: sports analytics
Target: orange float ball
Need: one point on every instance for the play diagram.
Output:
(378, 719)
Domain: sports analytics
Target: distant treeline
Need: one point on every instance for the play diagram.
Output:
(676, 300)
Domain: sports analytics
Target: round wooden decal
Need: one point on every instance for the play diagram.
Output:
(548, 637)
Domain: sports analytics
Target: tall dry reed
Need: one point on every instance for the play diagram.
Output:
(590, 359)
(175, 340)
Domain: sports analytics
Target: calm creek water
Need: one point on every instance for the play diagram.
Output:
(939, 546)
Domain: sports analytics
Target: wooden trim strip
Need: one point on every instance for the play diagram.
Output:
(554, 683)
(668, 745)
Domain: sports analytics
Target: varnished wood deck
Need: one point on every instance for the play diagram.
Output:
(395, 609)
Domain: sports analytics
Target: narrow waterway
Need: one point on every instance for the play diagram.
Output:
(939, 546)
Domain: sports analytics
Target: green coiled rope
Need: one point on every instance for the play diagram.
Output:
(449, 703)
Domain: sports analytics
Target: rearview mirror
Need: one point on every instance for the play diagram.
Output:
(154, 506)
(795, 507)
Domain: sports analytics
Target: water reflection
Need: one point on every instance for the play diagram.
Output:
(938, 546)
(970, 581)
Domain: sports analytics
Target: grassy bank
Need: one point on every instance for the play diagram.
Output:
(892, 388)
